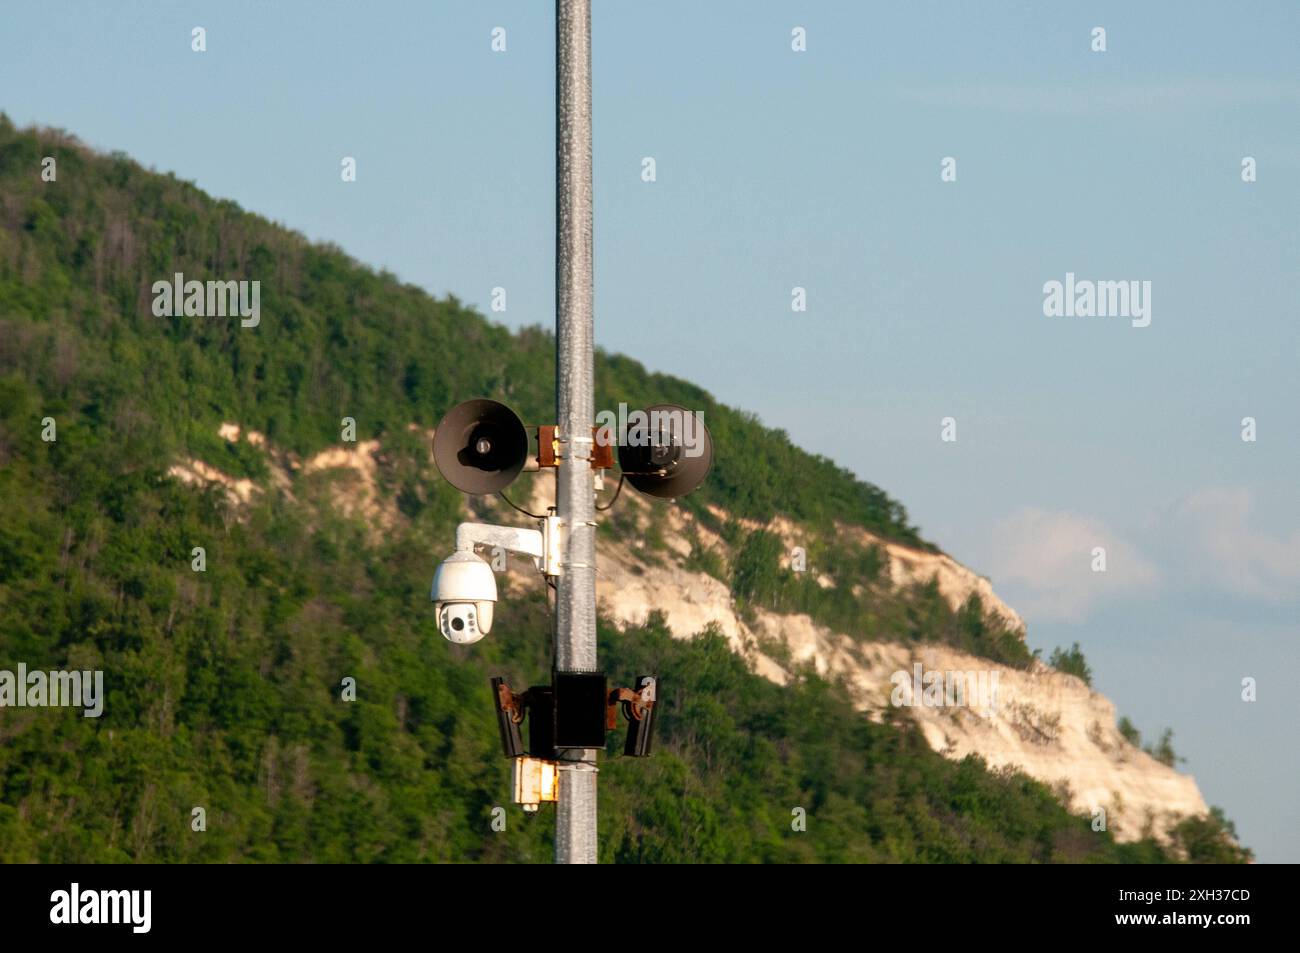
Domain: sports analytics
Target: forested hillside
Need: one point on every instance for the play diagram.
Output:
(223, 686)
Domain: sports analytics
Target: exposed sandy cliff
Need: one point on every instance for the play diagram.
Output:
(1047, 724)
(1050, 725)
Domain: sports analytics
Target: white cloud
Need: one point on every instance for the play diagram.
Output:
(1209, 536)
(1042, 559)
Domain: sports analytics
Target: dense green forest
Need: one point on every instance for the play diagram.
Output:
(224, 686)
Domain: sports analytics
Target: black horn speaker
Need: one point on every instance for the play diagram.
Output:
(480, 446)
(666, 452)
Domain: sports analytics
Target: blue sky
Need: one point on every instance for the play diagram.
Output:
(821, 169)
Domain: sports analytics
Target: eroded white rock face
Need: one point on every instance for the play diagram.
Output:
(352, 469)
(360, 495)
(1045, 723)
(956, 582)
(231, 432)
(196, 472)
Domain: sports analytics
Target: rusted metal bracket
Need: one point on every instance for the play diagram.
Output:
(635, 706)
(515, 704)
(548, 447)
(602, 448)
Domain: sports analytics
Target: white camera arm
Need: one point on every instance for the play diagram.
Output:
(543, 546)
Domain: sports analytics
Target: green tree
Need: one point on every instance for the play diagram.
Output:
(1071, 662)
(1130, 732)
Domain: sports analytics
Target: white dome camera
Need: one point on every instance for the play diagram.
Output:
(464, 592)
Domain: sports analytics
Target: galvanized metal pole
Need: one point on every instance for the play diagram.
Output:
(575, 602)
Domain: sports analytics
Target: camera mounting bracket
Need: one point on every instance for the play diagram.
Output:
(542, 545)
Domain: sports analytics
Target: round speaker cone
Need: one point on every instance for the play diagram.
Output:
(668, 453)
(480, 446)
